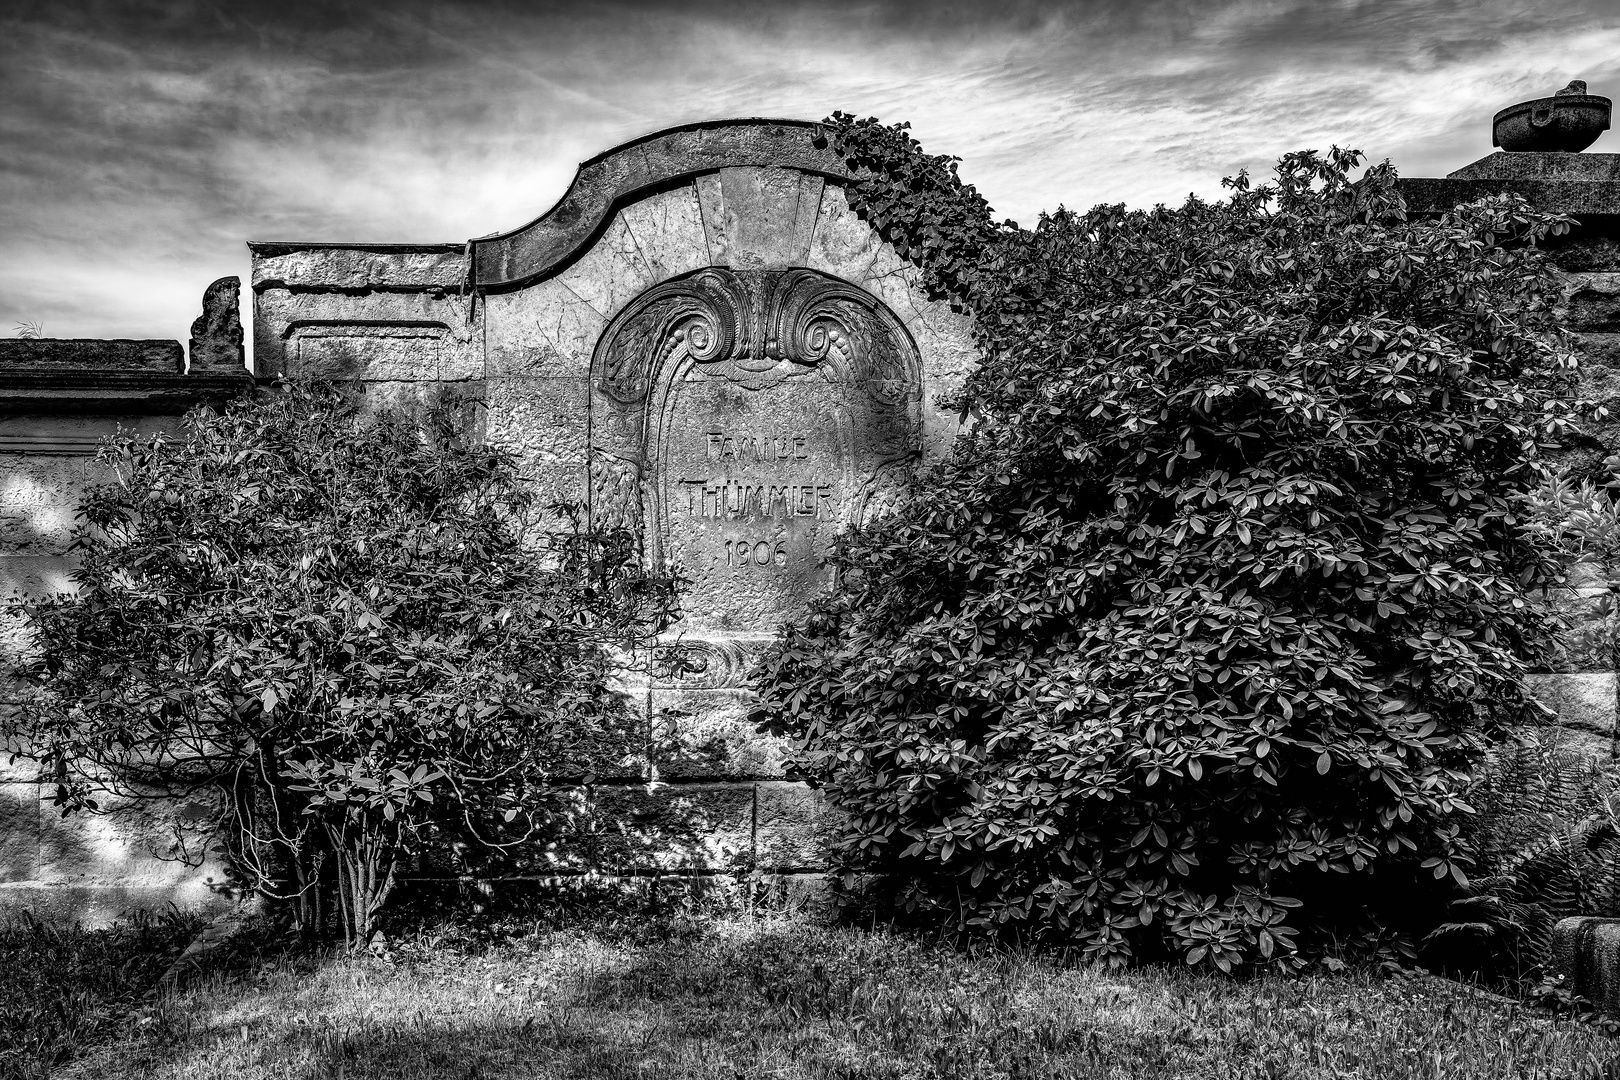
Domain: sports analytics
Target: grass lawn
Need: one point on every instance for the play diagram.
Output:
(62, 987)
(768, 998)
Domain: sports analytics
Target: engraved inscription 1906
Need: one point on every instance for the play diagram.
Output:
(738, 420)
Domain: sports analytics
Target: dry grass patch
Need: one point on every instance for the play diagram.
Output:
(764, 998)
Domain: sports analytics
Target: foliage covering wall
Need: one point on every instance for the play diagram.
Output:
(1193, 645)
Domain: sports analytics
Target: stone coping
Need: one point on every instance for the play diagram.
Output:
(70, 376)
(63, 356)
(1586, 185)
(55, 394)
(359, 268)
(1583, 168)
(273, 248)
(655, 161)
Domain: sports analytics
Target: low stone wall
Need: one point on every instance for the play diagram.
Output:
(701, 342)
(58, 399)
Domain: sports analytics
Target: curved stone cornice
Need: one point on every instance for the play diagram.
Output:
(645, 164)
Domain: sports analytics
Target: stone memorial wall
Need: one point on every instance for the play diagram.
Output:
(703, 344)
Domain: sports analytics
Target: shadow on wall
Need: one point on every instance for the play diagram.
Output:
(140, 853)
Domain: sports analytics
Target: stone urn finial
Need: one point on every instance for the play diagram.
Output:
(1568, 122)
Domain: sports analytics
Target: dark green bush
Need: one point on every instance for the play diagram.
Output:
(1193, 644)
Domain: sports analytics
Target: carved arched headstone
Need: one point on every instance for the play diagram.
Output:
(739, 418)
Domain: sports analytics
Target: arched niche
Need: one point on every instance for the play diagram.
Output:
(738, 419)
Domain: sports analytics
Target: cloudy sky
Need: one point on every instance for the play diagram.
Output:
(142, 143)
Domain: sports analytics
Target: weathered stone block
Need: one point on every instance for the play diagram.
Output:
(1586, 952)
(1580, 702)
(547, 331)
(39, 498)
(134, 842)
(611, 273)
(543, 421)
(896, 282)
(712, 210)
(702, 734)
(809, 896)
(1600, 359)
(622, 753)
(1594, 302)
(1585, 644)
(759, 218)
(75, 355)
(778, 826)
(15, 764)
(282, 319)
(464, 398)
(842, 244)
(1586, 576)
(672, 827)
(668, 230)
(1587, 253)
(35, 575)
(792, 825)
(436, 266)
(371, 353)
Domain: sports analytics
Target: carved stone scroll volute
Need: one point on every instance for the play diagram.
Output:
(740, 419)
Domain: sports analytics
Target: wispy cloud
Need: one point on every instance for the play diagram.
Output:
(143, 143)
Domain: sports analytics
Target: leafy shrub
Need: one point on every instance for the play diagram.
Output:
(360, 628)
(1192, 644)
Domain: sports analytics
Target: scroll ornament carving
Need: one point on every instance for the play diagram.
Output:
(706, 663)
(756, 328)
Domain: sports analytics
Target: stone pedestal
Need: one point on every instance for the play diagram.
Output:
(1586, 952)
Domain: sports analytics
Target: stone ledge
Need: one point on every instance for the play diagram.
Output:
(1583, 184)
(40, 393)
(1580, 168)
(1425, 195)
(58, 357)
(358, 267)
